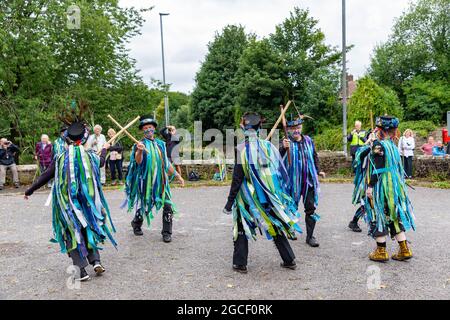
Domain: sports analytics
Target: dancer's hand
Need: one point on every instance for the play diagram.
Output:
(286, 143)
(369, 193)
(106, 146)
(140, 146)
(228, 212)
(26, 197)
(322, 174)
(180, 179)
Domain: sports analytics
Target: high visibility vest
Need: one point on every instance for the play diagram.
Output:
(357, 138)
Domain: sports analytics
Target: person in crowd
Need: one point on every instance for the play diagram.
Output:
(43, 154)
(172, 140)
(427, 148)
(406, 147)
(439, 149)
(115, 159)
(8, 151)
(357, 138)
(95, 143)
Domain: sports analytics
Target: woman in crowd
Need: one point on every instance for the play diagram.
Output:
(406, 146)
(115, 159)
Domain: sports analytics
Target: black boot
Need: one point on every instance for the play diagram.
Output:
(310, 224)
(83, 276)
(136, 224)
(354, 226)
(167, 224)
(240, 269)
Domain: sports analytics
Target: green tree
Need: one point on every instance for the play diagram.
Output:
(427, 99)
(369, 96)
(214, 95)
(419, 45)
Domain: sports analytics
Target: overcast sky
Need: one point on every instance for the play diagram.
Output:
(192, 24)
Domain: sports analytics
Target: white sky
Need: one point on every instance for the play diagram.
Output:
(192, 24)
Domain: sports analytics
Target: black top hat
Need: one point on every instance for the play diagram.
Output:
(77, 132)
(252, 121)
(63, 128)
(147, 120)
(295, 123)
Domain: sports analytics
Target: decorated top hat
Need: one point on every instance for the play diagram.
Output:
(144, 120)
(387, 122)
(294, 123)
(252, 121)
(77, 133)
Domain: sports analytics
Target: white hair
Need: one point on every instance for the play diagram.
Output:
(358, 122)
(45, 136)
(97, 126)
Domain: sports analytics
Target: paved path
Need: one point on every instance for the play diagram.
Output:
(197, 264)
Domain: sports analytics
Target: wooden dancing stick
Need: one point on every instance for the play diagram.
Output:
(124, 130)
(279, 120)
(286, 134)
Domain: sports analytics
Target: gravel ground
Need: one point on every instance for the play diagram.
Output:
(197, 264)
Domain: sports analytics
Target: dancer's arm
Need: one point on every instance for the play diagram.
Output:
(42, 180)
(238, 178)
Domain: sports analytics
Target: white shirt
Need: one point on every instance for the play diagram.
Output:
(100, 141)
(406, 146)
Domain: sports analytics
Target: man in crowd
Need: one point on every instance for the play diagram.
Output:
(427, 148)
(7, 153)
(439, 149)
(357, 138)
(95, 143)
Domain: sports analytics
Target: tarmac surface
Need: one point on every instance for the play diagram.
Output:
(197, 264)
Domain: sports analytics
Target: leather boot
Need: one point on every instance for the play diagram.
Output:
(136, 224)
(379, 254)
(167, 224)
(404, 252)
(310, 225)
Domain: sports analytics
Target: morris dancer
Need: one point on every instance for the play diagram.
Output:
(380, 184)
(303, 174)
(81, 217)
(147, 183)
(259, 198)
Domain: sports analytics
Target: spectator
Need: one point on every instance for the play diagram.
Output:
(439, 149)
(357, 138)
(448, 148)
(173, 140)
(406, 146)
(7, 153)
(43, 154)
(95, 143)
(427, 148)
(115, 159)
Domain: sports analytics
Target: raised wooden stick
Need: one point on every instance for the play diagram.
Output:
(124, 130)
(286, 135)
(279, 120)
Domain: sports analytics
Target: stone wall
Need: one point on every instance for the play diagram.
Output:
(330, 162)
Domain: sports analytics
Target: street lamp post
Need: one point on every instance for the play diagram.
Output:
(344, 81)
(166, 97)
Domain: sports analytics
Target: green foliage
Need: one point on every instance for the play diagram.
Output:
(427, 99)
(418, 46)
(214, 95)
(369, 96)
(421, 128)
(329, 139)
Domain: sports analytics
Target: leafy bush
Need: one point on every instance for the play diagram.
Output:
(329, 139)
(421, 128)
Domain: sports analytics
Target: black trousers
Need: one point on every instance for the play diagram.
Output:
(167, 219)
(240, 254)
(116, 165)
(407, 164)
(77, 259)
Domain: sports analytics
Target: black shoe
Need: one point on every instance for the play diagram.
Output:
(354, 226)
(291, 265)
(240, 269)
(84, 276)
(167, 238)
(312, 242)
(98, 268)
(136, 229)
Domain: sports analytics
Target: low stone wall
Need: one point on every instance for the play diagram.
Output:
(330, 162)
